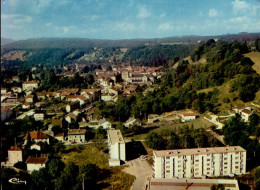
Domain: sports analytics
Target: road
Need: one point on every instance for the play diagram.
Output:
(140, 169)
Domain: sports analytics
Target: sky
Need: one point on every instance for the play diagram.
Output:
(127, 19)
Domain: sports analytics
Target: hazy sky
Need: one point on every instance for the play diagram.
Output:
(125, 19)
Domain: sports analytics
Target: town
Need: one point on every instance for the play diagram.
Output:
(130, 95)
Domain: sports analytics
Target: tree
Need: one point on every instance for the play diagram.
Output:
(59, 147)
(155, 141)
(121, 127)
(89, 173)
(217, 187)
(173, 142)
(55, 167)
(41, 179)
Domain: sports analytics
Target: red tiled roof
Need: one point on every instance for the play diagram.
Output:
(36, 135)
(36, 160)
(30, 82)
(15, 148)
(188, 114)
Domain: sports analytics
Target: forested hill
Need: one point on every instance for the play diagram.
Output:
(83, 43)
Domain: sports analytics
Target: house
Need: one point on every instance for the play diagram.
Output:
(30, 85)
(36, 163)
(72, 106)
(53, 95)
(15, 154)
(36, 146)
(82, 99)
(71, 117)
(130, 122)
(16, 89)
(188, 117)
(6, 112)
(59, 137)
(40, 104)
(116, 146)
(39, 116)
(3, 90)
(41, 95)
(105, 124)
(77, 135)
(197, 162)
(36, 136)
(245, 114)
(26, 105)
(108, 97)
(15, 78)
(29, 98)
(90, 115)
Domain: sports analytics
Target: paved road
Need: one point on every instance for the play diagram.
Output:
(140, 169)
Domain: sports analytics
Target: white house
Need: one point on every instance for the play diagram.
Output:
(105, 124)
(30, 85)
(39, 116)
(36, 163)
(15, 154)
(245, 114)
(130, 122)
(77, 135)
(36, 146)
(116, 146)
(188, 117)
(26, 105)
(36, 136)
(199, 162)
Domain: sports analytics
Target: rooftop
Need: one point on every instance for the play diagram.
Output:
(188, 114)
(37, 160)
(36, 135)
(15, 148)
(198, 151)
(115, 136)
(191, 184)
(77, 132)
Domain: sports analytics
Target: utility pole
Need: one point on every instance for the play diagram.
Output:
(83, 185)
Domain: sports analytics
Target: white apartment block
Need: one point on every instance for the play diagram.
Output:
(116, 146)
(200, 162)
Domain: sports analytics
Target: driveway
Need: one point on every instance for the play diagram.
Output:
(141, 170)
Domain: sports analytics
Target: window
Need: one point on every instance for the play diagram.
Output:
(179, 170)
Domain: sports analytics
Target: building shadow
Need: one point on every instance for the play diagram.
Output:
(134, 150)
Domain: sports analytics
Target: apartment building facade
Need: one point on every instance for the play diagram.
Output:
(116, 146)
(200, 162)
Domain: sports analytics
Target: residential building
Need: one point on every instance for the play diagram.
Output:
(190, 184)
(36, 146)
(72, 106)
(15, 154)
(29, 98)
(16, 89)
(77, 135)
(116, 146)
(26, 105)
(200, 162)
(105, 124)
(130, 122)
(59, 137)
(39, 116)
(82, 99)
(36, 136)
(30, 85)
(36, 163)
(188, 117)
(245, 114)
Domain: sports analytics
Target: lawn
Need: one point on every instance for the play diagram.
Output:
(159, 126)
(111, 177)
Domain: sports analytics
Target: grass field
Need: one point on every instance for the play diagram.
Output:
(255, 57)
(160, 126)
(112, 177)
